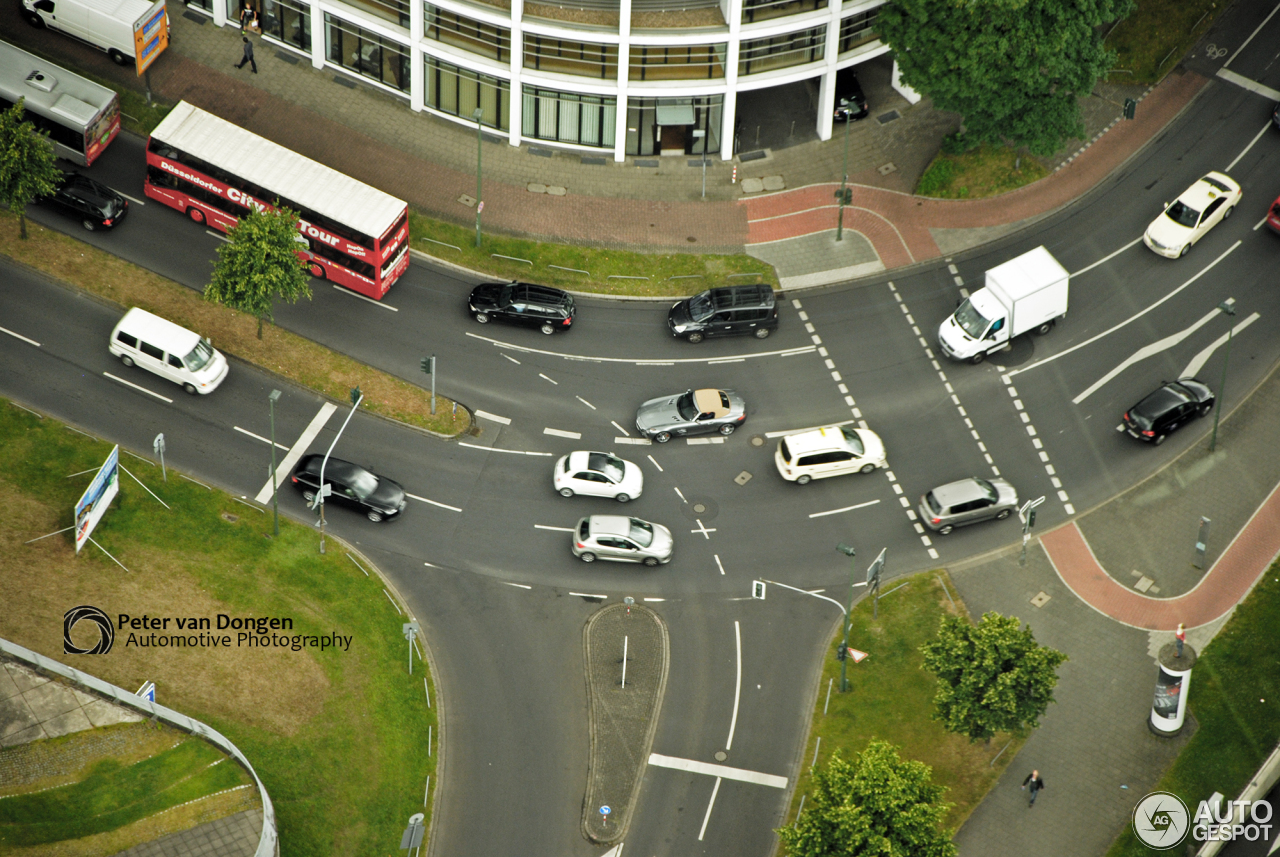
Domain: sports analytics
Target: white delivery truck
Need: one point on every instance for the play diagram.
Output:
(107, 25)
(1025, 293)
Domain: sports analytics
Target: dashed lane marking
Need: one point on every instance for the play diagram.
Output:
(139, 389)
(656, 464)
(1036, 442)
(508, 451)
(485, 415)
(545, 378)
(846, 508)
(258, 437)
(19, 336)
(585, 402)
(512, 359)
(572, 435)
(352, 294)
(635, 441)
(619, 428)
(640, 361)
(698, 441)
(553, 529)
(433, 502)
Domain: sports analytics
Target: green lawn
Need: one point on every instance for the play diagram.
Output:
(891, 697)
(341, 739)
(981, 172)
(1153, 39)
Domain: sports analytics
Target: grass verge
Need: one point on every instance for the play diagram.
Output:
(890, 697)
(1157, 35)
(298, 359)
(981, 172)
(1235, 700)
(341, 738)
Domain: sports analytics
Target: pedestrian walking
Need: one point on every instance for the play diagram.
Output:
(1036, 782)
(1180, 637)
(248, 56)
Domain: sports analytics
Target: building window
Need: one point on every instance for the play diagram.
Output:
(762, 10)
(783, 51)
(203, 5)
(566, 117)
(683, 62)
(458, 92)
(472, 36)
(589, 59)
(858, 29)
(645, 131)
(395, 11)
(367, 54)
(288, 21)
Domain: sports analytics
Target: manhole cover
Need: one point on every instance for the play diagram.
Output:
(742, 478)
(721, 755)
(1040, 600)
(757, 440)
(699, 508)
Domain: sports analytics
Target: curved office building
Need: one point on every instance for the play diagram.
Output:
(619, 77)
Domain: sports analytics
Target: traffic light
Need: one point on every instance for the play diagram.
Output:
(1130, 108)
(426, 365)
(842, 652)
(1031, 518)
(844, 196)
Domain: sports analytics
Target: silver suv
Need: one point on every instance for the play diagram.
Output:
(968, 501)
(622, 539)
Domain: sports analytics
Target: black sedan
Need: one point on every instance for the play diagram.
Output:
(1172, 406)
(851, 104)
(376, 497)
(525, 304)
(91, 202)
(691, 412)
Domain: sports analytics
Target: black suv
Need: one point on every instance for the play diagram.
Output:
(1172, 406)
(92, 202)
(851, 104)
(542, 307)
(725, 311)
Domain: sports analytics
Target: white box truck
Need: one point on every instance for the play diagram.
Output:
(107, 25)
(1025, 293)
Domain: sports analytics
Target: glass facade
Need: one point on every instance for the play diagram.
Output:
(644, 134)
(395, 11)
(366, 54)
(458, 92)
(858, 29)
(567, 117)
(288, 21)
(203, 5)
(762, 10)
(472, 36)
(782, 51)
(683, 62)
(566, 57)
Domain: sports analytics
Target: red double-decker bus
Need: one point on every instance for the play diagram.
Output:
(357, 236)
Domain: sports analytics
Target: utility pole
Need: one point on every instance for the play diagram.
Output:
(844, 645)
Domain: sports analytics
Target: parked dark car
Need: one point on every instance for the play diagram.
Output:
(1172, 406)
(851, 104)
(542, 307)
(91, 202)
(725, 311)
(376, 497)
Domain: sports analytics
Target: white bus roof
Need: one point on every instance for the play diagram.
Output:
(295, 178)
(53, 91)
(128, 11)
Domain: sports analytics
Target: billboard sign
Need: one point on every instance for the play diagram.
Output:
(92, 505)
(150, 37)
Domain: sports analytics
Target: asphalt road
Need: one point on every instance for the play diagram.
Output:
(482, 556)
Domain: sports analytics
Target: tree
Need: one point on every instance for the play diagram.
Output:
(27, 164)
(992, 677)
(877, 805)
(259, 264)
(1014, 69)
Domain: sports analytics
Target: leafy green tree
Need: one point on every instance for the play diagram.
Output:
(992, 677)
(1014, 69)
(27, 164)
(878, 805)
(259, 264)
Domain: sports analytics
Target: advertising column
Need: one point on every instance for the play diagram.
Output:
(1169, 708)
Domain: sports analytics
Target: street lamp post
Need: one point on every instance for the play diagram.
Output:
(275, 504)
(1229, 308)
(844, 194)
(844, 646)
(477, 115)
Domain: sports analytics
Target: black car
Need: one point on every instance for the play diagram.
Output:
(377, 497)
(851, 104)
(91, 202)
(1172, 406)
(725, 311)
(542, 307)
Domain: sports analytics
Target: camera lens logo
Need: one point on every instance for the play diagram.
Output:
(1161, 820)
(106, 634)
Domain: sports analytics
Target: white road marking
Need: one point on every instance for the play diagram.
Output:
(585, 402)
(258, 437)
(1274, 96)
(1252, 86)
(737, 684)
(1107, 258)
(718, 563)
(784, 433)
(545, 378)
(636, 441)
(703, 530)
(656, 464)
(139, 389)
(350, 293)
(433, 502)
(572, 435)
(554, 529)
(512, 359)
(654, 599)
(132, 199)
(680, 495)
(496, 449)
(619, 428)
(845, 509)
(1131, 318)
(518, 585)
(699, 441)
(1231, 59)
(694, 766)
(224, 239)
(640, 361)
(485, 415)
(715, 790)
(589, 595)
(1259, 224)
(1197, 362)
(727, 360)
(1145, 352)
(19, 336)
(296, 451)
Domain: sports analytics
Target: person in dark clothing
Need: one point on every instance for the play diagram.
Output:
(248, 55)
(1036, 782)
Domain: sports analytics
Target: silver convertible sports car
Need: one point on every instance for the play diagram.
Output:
(691, 412)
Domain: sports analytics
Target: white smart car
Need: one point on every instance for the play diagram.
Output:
(598, 474)
(828, 451)
(1201, 207)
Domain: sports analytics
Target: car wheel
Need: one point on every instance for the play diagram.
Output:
(196, 214)
(375, 516)
(566, 492)
(117, 57)
(868, 468)
(945, 530)
(587, 557)
(727, 430)
(651, 561)
(762, 333)
(189, 388)
(34, 20)
(316, 270)
(1227, 213)
(1004, 514)
(309, 496)
(804, 479)
(1185, 249)
(89, 225)
(622, 498)
(978, 358)
(662, 437)
(547, 329)
(1044, 328)
(1159, 439)
(482, 317)
(1203, 410)
(126, 359)
(695, 338)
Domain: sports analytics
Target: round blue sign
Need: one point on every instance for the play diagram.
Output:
(604, 810)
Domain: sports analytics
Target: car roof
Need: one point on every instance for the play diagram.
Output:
(1207, 189)
(335, 467)
(748, 295)
(959, 491)
(711, 400)
(1158, 401)
(610, 525)
(827, 437)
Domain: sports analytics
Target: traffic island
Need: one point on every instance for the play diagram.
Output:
(627, 654)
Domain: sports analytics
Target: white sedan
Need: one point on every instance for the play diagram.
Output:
(1201, 207)
(598, 474)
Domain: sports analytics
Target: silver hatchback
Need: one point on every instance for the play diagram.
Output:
(968, 501)
(622, 539)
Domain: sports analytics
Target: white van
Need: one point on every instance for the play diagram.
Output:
(107, 25)
(168, 350)
(828, 451)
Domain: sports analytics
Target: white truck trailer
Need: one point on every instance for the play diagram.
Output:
(108, 25)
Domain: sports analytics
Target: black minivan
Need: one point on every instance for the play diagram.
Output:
(725, 311)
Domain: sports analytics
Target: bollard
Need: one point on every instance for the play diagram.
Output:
(1202, 542)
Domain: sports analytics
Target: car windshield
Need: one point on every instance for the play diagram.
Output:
(970, 320)
(685, 407)
(988, 489)
(610, 465)
(362, 482)
(199, 356)
(855, 442)
(1183, 215)
(700, 307)
(641, 532)
(1210, 180)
